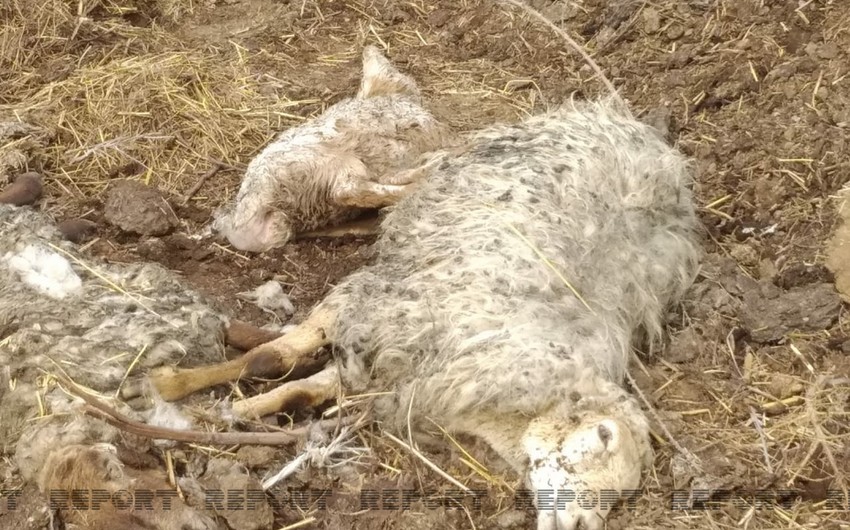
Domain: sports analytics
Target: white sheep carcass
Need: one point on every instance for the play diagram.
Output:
(505, 296)
(66, 314)
(330, 169)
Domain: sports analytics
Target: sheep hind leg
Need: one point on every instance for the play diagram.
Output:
(294, 352)
(293, 395)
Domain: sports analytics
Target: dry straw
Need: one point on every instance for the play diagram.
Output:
(127, 101)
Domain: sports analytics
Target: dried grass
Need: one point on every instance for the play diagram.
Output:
(134, 101)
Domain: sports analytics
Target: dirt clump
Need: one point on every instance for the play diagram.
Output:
(137, 208)
(769, 313)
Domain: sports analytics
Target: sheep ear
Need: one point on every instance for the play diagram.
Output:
(609, 434)
(381, 78)
(604, 434)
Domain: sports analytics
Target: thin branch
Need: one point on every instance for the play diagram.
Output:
(572, 43)
(198, 185)
(101, 410)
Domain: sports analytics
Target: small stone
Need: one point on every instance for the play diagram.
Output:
(685, 346)
(828, 51)
(675, 31)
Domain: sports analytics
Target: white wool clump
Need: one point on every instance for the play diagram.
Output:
(278, 328)
(169, 416)
(270, 297)
(45, 271)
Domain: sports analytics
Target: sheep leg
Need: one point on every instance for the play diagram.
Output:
(359, 227)
(294, 351)
(293, 395)
(408, 176)
(357, 193)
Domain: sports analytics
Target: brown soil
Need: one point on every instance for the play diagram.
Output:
(756, 92)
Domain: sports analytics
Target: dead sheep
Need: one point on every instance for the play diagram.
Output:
(66, 314)
(505, 296)
(330, 169)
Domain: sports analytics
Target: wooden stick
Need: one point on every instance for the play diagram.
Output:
(576, 47)
(98, 409)
(101, 410)
(194, 189)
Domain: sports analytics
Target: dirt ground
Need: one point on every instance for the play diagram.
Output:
(756, 92)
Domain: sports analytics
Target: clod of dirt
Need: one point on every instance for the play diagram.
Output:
(651, 20)
(77, 230)
(746, 255)
(708, 298)
(257, 456)
(151, 249)
(26, 189)
(660, 119)
(135, 207)
(784, 386)
(719, 291)
(768, 271)
(769, 313)
(251, 512)
(800, 274)
(838, 253)
(685, 346)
